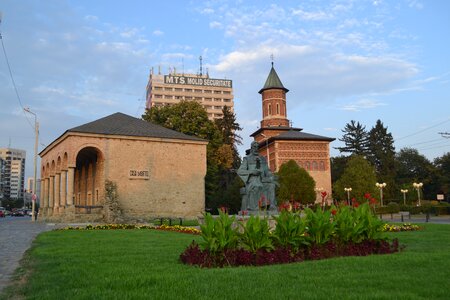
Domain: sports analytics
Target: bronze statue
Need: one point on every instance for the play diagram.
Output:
(259, 181)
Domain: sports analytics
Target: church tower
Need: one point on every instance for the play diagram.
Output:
(279, 142)
(274, 102)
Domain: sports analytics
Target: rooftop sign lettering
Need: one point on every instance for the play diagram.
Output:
(184, 80)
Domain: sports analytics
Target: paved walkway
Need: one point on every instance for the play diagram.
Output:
(16, 236)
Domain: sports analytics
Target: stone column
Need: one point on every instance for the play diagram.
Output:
(46, 204)
(42, 194)
(51, 194)
(63, 188)
(70, 181)
(57, 192)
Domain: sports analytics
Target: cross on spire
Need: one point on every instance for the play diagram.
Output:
(271, 58)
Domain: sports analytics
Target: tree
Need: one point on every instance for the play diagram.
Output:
(382, 156)
(355, 138)
(442, 165)
(414, 167)
(338, 164)
(295, 184)
(359, 175)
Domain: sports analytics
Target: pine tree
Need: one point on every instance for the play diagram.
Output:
(355, 138)
(382, 155)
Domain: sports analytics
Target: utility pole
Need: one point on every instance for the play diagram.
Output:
(34, 196)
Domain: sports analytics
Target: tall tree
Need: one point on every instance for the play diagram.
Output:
(358, 175)
(295, 184)
(355, 139)
(229, 128)
(442, 165)
(338, 164)
(414, 167)
(381, 153)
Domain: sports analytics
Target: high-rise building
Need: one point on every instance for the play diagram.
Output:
(212, 94)
(14, 172)
(2, 175)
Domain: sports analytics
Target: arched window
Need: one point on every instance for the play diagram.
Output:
(314, 165)
(321, 166)
(308, 166)
(270, 109)
(278, 109)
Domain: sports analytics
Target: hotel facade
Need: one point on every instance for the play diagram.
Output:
(212, 94)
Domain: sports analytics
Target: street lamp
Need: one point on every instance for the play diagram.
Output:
(267, 149)
(418, 187)
(36, 133)
(404, 195)
(381, 186)
(348, 190)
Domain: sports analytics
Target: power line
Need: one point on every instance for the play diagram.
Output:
(13, 81)
(420, 131)
(440, 139)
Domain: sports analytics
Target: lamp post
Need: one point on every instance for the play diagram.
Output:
(381, 186)
(267, 149)
(404, 195)
(418, 187)
(348, 190)
(36, 133)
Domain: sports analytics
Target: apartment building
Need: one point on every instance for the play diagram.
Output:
(13, 178)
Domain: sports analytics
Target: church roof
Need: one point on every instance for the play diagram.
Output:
(299, 135)
(273, 82)
(122, 124)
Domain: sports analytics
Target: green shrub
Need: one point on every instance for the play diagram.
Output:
(256, 235)
(218, 234)
(346, 227)
(290, 231)
(319, 227)
(393, 207)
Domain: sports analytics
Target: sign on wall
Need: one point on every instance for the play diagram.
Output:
(139, 174)
(184, 80)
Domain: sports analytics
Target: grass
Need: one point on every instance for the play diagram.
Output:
(143, 264)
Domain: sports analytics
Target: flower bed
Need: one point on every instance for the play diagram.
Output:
(403, 227)
(176, 228)
(341, 231)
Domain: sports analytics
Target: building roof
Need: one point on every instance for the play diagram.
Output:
(296, 135)
(273, 82)
(122, 124)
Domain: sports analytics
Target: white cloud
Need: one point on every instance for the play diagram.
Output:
(158, 32)
(215, 24)
(312, 15)
(362, 104)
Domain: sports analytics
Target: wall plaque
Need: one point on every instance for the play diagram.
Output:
(139, 174)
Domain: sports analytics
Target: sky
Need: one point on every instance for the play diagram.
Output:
(76, 61)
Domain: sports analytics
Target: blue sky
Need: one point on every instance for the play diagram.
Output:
(76, 61)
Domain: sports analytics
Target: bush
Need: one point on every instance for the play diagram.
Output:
(290, 231)
(256, 235)
(218, 234)
(393, 207)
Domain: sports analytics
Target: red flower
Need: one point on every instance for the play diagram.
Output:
(333, 212)
(367, 196)
(223, 209)
(324, 194)
(355, 204)
(373, 201)
(296, 205)
(285, 206)
(244, 212)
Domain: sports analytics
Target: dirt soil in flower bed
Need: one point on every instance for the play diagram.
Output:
(193, 255)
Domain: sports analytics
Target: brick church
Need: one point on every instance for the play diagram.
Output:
(279, 142)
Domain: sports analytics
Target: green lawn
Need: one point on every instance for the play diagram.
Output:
(143, 264)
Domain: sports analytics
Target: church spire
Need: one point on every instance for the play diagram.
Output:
(273, 81)
(274, 101)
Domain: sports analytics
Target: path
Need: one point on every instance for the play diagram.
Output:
(16, 236)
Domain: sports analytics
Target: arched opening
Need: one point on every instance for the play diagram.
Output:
(278, 109)
(270, 109)
(88, 178)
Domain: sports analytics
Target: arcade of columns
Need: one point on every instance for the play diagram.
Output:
(57, 188)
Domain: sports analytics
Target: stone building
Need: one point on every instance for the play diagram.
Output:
(119, 168)
(279, 142)
(212, 94)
